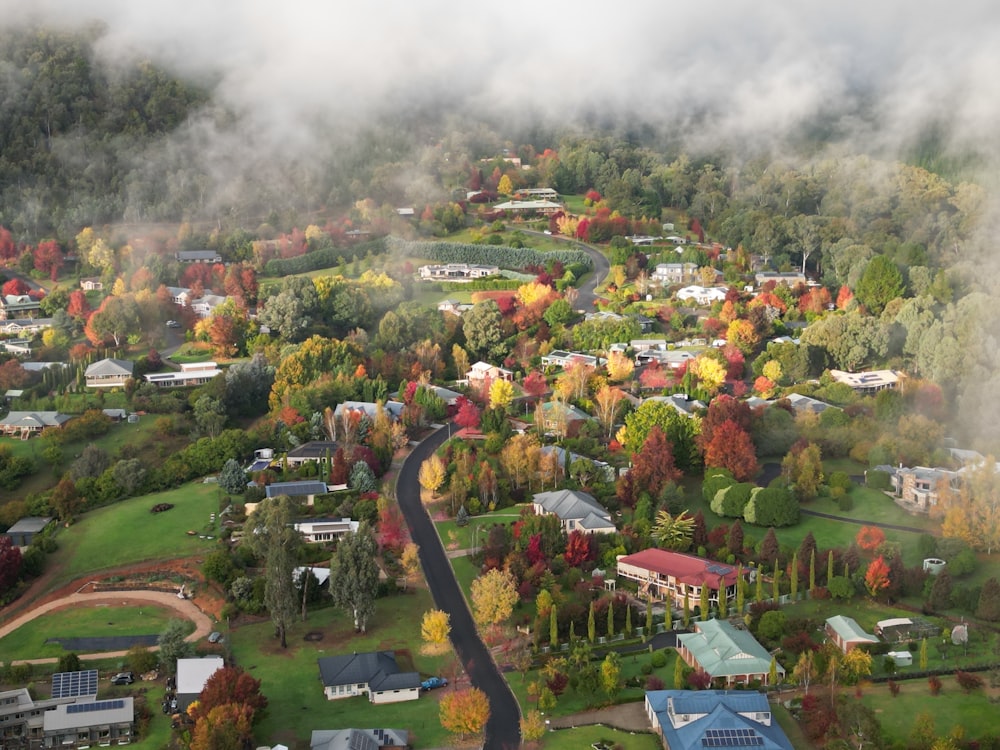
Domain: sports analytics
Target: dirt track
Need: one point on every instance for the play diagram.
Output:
(184, 607)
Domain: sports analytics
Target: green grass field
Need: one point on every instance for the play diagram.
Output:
(126, 533)
(290, 679)
(581, 738)
(29, 641)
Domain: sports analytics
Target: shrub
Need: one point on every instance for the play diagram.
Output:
(658, 660)
(654, 683)
(968, 681)
(840, 480)
(934, 683)
(894, 688)
(646, 668)
(878, 480)
(845, 502)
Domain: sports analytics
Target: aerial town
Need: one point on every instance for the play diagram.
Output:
(442, 433)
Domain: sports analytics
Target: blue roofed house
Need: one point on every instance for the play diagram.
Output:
(726, 654)
(695, 720)
(374, 673)
(358, 739)
(576, 511)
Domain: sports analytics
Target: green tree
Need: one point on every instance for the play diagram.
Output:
(209, 416)
(611, 618)
(880, 283)
(673, 531)
(354, 576)
(611, 673)
(553, 626)
(172, 644)
(923, 654)
(703, 603)
(591, 625)
(232, 478)
(678, 673)
(483, 329)
(274, 540)
(69, 663)
(988, 607)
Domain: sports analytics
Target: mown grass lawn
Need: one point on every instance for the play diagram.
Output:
(951, 708)
(454, 536)
(290, 678)
(581, 738)
(127, 532)
(81, 621)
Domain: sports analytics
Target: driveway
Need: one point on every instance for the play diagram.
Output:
(503, 730)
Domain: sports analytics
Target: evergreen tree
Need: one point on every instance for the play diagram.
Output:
(678, 672)
(591, 625)
(354, 575)
(703, 603)
(553, 626)
(611, 618)
(794, 583)
(274, 539)
(989, 601)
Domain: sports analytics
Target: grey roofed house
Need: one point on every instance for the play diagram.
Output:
(22, 532)
(307, 490)
(89, 722)
(375, 673)
(575, 510)
(314, 450)
(109, 373)
(358, 739)
(28, 422)
(198, 256)
(370, 409)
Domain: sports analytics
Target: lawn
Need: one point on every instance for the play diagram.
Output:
(952, 708)
(290, 681)
(454, 536)
(127, 532)
(581, 738)
(84, 620)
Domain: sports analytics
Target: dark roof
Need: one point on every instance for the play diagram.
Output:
(313, 449)
(377, 669)
(296, 489)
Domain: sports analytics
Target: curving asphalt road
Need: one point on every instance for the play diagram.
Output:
(602, 266)
(503, 730)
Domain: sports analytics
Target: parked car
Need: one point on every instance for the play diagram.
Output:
(433, 682)
(123, 678)
(173, 324)
(215, 637)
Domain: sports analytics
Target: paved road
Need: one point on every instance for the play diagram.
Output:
(585, 301)
(503, 731)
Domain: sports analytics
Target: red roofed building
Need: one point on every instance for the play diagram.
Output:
(670, 575)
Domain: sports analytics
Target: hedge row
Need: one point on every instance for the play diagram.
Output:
(326, 258)
(487, 255)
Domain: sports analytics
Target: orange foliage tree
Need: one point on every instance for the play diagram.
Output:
(465, 712)
(869, 538)
(877, 576)
(732, 448)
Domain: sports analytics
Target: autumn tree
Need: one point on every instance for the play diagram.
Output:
(877, 576)
(533, 726)
(230, 685)
(465, 712)
(431, 474)
(494, 595)
(732, 448)
(435, 629)
(225, 727)
(620, 367)
(501, 394)
(870, 538)
(652, 467)
(607, 404)
(803, 468)
(354, 575)
(467, 416)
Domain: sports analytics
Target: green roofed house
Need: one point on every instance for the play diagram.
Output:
(726, 654)
(846, 633)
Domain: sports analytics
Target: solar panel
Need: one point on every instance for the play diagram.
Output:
(83, 708)
(731, 738)
(719, 569)
(74, 684)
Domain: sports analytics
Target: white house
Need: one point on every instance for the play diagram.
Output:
(109, 373)
(702, 295)
(869, 382)
(375, 674)
(482, 371)
(319, 530)
(576, 511)
(457, 272)
(191, 373)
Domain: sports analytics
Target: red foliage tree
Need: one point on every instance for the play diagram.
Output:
(468, 414)
(290, 415)
(654, 377)
(534, 384)
(338, 469)
(877, 576)
(731, 448)
(725, 408)
(15, 287)
(227, 686)
(8, 248)
(735, 361)
(557, 683)
(10, 564)
(869, 538)
(653, 466)
(392, 533)
(579, 549)
(49, 258)
(699, 680)
(844, 296)
(534, 552)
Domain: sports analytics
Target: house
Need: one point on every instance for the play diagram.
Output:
(24, 424)
(648, 345)
(576, 511)
(726, 654)
(792, 278)
(314, 450)
(92, 284)
(672, 358)
(483, 371)
(24, 531)
(695, 720)
(190, 374)
(447, 395)
(322, 575)
(198, 256)
(674, 273)
(702, 295)
(870, 382)
(806, 404)
(358, 739)
(90, 723)
(109, 373)
(600, 468)
(846, 634)
(674, 576)
(682, 403)
(21, 347)
(454, 307)
(560, 358)
(319, 530)
(529, 207)
(205, 305)
(262, 459)
(545, 194)
(370, 409)
(192, 674)
(562, 419)
(374, 673)
(25, 326)
(21, 716)
(918, 489)
(457, 272)
(640, 239)
(18, 306)
(308, 490)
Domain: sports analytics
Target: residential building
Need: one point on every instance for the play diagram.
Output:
(308, 490)
(322, 530)
(674, 273)
(24, 531)
(559, 418)
(454, 307)
(846, 634)
(90, 724)
(24, 424)
(192, 674)
(918, 489)
(806, 404)
(358, 739)
(600, 468)
(370, 409)
(22, 717)
(205, 305)
(648, 345)
(561, 358)
(25, 326)
(375, 674)
(198, 256)
(545, 194)
(869, 382)
(672, 576)
(702, 295)
(791, 278)
(92, 284)
(190, 374)
(314, 450)
(529, 207)
(109, 373)
(695, 720)
(672, 358)
(726, 654)
(576, 511)
(20, 347)
(457, 272)
(681, 402)
(482, 371)
(18, 306)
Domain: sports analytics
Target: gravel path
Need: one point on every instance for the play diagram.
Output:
(183, 607)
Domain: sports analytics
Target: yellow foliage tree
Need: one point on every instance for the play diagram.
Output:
(532, 726)
(710, 372)
(410, 559)
(772, 371)
(494, 595)
(435, 629)
(465, 712)
(501, 393)
(432, 473)
(101, 256)
(567, 225)
(533, 292)
(505, 186)
(620, 366)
